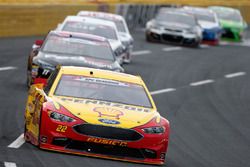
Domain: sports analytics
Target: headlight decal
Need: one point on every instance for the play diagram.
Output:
(154, 130)
(60, 117)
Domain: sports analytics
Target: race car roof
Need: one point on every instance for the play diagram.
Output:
(198, 10)
(97, 73)
(223, 8)
(100, 14)
(79, 35)
(90, 20)
(177, 11)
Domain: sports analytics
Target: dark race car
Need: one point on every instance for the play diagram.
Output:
(67, 48)
(174, 26)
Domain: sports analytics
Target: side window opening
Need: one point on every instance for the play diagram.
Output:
(51, 80)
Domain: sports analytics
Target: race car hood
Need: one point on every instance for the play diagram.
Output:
(125, 37)
(114, 44)
(54, 60)
(172, 25)
(107, 113)
(208, 25)
(231, 24)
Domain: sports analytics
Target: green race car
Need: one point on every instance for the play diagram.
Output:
(232, 23)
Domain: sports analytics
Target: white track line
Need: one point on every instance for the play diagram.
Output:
(7, 68)
(171, 49)
(141, 52)
(18, 142)
(237, 74)
(204, 46)
(162, 91)
(9, 164)
(202, 82)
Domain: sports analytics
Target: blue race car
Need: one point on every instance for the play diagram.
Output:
(207, 19)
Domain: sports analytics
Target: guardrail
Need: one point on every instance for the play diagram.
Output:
(137, 15)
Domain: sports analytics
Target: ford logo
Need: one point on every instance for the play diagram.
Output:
(108, 121)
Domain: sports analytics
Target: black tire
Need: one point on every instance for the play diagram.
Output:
(28, 80)
(24, 131)
(148, 39)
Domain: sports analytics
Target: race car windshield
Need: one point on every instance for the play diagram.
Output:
(118, 23)
(176, 18)
(208, 18)
(120, 26)
(229, 15)
(88, 28)
(78, 47)
(102, 89)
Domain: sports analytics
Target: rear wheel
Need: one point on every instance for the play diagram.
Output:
(25, 133)
(127, 59)
(148, 39)
(28, 79)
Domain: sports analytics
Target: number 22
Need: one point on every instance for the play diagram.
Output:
(61, 128)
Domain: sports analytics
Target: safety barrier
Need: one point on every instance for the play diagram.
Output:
(24, 17)
(190, 2)
(137, 15)
(24, 20)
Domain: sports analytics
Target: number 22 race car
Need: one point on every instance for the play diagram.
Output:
(96, 113)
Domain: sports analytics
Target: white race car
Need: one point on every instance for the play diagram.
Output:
(123, 31)
(98, 27)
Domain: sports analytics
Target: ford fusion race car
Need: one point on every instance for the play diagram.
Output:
(67, 48)
(207, 19)
(175, 26)
(98, 27)
(232, 23)
(123, 31)
(96, 113)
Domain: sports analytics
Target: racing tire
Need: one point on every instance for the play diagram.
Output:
(28, 80)
(148, 39)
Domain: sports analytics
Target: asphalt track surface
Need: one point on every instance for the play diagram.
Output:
(204, 93)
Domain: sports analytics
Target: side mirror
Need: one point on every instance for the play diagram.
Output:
(58, 26)
(39, 42)
(40, 82)
(245, 25)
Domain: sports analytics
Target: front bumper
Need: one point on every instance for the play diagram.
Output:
(172, 37)
(232, 34)
(149, 148)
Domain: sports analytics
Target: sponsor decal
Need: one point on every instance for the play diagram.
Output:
(109, 112)
(107, 141)
(61, 128)
(109, 121)
(86, 101)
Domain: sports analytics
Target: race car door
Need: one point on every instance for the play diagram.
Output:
(34, 104)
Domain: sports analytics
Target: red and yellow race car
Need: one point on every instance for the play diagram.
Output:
(96, 113)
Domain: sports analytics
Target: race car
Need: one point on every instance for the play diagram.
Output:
(98, 27)
(96, 113)
(171, 25)
(123, 31)
(207, 19)
(232, 23)
(67, 48)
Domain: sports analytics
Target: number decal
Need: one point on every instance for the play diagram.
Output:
(61, 128)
